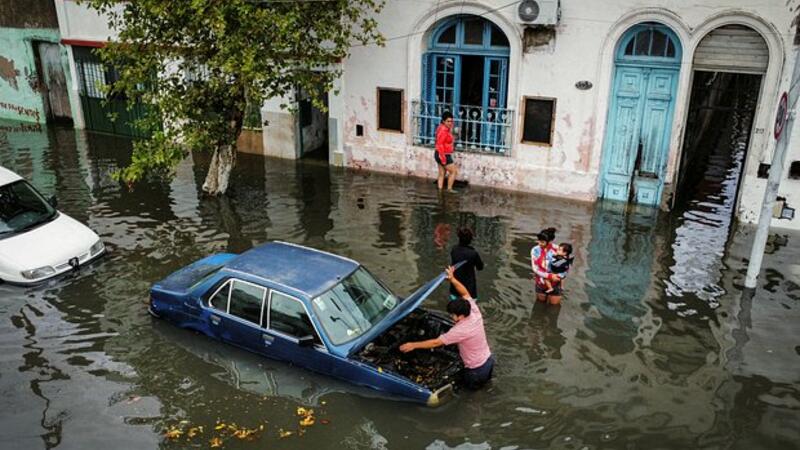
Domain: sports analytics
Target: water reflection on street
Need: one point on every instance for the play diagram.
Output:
(655, 345)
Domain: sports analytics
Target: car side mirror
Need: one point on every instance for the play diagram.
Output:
(53, 201)
(306, 341)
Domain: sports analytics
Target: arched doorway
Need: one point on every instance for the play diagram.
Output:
(647, 65)
(465, 71)
(728, 69)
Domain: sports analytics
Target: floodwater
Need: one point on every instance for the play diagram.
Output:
(654, 346)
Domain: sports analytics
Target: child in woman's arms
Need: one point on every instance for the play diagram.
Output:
(558, 268)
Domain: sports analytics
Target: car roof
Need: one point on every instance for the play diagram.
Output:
(7, 176)
(304, 269)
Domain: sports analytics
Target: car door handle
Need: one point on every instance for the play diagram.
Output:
(215, 320)
(268, 338)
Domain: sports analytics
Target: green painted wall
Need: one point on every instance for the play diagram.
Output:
(19, 96)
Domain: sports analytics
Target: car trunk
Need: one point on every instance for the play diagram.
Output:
(433, 368)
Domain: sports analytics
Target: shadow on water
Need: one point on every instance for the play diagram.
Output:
(655, 344)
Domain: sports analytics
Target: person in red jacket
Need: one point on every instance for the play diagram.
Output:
(443, 155)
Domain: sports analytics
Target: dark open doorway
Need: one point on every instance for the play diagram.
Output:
(718, 128)
(313, 132)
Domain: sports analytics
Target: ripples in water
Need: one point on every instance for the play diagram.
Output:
(654, 346)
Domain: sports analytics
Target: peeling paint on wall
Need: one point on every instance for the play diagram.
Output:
(585, 146)
(8, 72)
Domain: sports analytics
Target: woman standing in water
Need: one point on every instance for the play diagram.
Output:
(541, 256)
(443, 155)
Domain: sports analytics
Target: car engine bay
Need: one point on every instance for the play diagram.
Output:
(432, 368)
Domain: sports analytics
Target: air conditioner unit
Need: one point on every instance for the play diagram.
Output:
(539, 12)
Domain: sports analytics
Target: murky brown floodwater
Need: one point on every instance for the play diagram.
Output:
(655, 346)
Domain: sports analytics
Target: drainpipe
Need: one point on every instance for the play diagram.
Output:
(774, 180)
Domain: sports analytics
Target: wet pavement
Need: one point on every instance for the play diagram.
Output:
(654, 346)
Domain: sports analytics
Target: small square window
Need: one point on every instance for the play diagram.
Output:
(538, 120)
(763, 170)
(359, 130)
(390, 109)
(794, 170)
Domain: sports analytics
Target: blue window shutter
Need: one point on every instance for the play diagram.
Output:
(426, 109)
(501, 101)
(427, 77)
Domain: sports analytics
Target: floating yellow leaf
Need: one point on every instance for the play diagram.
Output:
(220, 426)
(193, 431)
(243, 433)
(380, 369)
(307, 421)
(173, 433)
(215, 442)
(302, 411)
(284, 434)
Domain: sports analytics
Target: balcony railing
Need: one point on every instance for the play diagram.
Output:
(476, 129)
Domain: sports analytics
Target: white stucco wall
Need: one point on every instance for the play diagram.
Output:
(583, 50)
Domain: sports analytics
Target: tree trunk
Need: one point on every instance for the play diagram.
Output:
(219, 172)
(224, 158)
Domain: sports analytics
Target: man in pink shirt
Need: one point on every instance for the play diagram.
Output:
(468, 333)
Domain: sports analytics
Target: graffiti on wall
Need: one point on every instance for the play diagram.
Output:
(30, 112)
(21, 128)
(8, 72)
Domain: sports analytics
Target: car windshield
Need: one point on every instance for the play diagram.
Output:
(353, 306)
(22, 207)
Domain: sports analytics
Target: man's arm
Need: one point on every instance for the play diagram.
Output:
(421, 345)
(460, 289)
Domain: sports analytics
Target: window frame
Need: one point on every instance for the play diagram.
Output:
(216, 291)
(524, 110)
(266, 290)
(227, 311)
(378, 111)
(294, 339)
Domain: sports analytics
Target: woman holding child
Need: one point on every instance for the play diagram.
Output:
(550, 265)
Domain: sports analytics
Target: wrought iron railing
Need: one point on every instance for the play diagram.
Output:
(477, 129)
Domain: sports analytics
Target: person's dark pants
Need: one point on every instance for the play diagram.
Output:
(479, 376)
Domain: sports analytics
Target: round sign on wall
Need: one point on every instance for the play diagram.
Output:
(781, 115)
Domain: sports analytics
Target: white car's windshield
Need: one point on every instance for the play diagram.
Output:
(353, 306)
(22, 207)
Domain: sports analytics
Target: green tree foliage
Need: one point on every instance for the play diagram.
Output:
(195, 64)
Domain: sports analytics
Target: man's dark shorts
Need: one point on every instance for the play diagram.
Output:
(479, 376)
(448, 159)
(556, 289)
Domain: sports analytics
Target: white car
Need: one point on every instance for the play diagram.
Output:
(37, 241)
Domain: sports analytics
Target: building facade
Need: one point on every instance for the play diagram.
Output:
(608, 100)
(34, 76)
(598, 105)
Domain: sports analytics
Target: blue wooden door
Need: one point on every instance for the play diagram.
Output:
(654, 134)
(637, 140)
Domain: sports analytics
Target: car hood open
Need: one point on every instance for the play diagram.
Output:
(403, 309)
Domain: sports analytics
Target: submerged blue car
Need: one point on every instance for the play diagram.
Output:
(315, 310)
